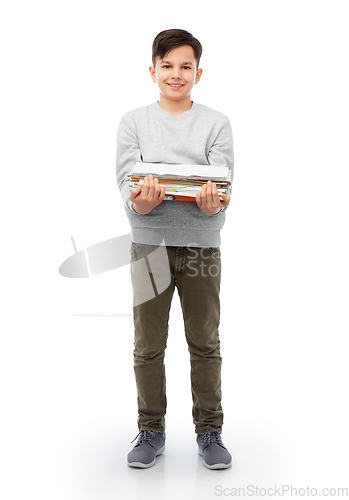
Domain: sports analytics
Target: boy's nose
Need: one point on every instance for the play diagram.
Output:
(176, 73)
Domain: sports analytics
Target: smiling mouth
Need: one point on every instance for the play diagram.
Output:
(175, 85)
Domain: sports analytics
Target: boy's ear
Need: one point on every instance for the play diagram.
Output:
(198, 75)
(152, 73)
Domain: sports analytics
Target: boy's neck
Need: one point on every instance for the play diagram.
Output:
(175, 107)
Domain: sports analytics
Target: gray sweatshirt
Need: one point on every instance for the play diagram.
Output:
(199, 136)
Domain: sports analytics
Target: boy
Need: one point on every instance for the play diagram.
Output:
(176, 130)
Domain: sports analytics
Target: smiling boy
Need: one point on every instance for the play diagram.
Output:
(176, 75)
(177, 130)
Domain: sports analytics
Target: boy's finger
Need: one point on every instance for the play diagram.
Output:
(150, 186)
(215, 194)
(157, 188)
(209, 191)
(135, 192)
(154, 185)
(203, 194)
(200, 197)
(162, 192)
(152, 181)
(145, 187)
(226, 199)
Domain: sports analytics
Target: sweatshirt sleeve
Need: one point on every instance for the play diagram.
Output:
(222, 152)
(127, 153)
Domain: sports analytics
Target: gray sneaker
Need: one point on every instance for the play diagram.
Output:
(214, 453)
(150, 444)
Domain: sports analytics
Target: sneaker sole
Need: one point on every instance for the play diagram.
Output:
(215, 466)
(140, 465)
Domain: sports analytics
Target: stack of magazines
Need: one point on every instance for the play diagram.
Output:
(182, 182)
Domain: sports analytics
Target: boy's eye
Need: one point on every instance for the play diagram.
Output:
(167, 66)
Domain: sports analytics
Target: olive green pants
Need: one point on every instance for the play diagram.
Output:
(196, 272)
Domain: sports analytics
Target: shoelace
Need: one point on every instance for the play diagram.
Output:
(144, 436)
(212, 437)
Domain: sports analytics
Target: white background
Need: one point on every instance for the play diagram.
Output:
(70, 70)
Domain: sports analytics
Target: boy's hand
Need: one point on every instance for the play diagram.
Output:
(148, 196)
(208, 199)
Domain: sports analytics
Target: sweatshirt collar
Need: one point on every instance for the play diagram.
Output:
(172, 117)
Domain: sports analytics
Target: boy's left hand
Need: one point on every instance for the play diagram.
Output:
(208, 199)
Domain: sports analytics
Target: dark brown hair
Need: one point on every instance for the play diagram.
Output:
(169, 39)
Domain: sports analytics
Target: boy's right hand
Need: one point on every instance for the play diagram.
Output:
(148, 196)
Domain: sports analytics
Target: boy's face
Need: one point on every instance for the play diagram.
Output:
(176, 74)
